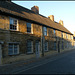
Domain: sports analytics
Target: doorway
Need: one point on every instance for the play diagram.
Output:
(37, 48)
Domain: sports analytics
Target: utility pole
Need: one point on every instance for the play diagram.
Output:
(42, 41)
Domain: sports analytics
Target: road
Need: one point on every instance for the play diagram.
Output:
(61, 64)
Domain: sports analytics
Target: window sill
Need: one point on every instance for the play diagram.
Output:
(28, 33)
(28, 53)
(46, 51)
(12, 30)
(13, 54)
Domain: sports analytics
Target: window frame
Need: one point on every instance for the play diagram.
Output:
(46, 42)
(30, 27)
(54, 32)
(29, 47)
(13, 48)
(45, 31)
(13, 24)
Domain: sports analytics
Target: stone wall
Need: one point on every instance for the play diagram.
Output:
(22, 36)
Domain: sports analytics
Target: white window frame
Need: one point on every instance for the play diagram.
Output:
(45, 31)
(13, 49)
(31, 28)
(16, 25)
(54, 32)
(47, 46)
(31, 46)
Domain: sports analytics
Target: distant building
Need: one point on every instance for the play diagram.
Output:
(26, 34)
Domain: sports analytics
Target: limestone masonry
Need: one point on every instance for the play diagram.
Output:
(26, 34)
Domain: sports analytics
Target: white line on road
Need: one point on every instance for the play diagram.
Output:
(37, 65)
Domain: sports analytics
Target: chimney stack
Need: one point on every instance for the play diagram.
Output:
(61, 22)
(51, 17)
(35, 9)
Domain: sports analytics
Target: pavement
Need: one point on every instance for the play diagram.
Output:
(17, 66)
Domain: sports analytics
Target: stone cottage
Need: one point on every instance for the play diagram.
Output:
(26, 34)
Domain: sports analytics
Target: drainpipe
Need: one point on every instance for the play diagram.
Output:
(42, 41)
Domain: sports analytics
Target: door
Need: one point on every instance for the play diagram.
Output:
(37, 48)
(0, 54)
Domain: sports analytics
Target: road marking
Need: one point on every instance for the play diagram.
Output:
(37, 65)
(45, 62)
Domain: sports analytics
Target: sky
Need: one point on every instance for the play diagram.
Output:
(62, 10)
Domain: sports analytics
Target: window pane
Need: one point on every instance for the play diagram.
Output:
(28, 27)
(29, 43)
(46, 45)
(11, 21)
(29, 46)
(54, 45)
(29, 49)
(54, 31)
(10, 50)
(45, 31)
(15, 28)
(15, 48)
(13, 24)
(29, 30)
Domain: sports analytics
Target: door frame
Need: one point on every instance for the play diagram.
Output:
(38, 52)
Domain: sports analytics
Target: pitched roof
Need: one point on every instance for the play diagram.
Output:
(14, 9)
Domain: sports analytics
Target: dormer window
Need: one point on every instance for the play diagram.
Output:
(13, 24)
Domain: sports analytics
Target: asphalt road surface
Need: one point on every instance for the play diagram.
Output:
(62, 64)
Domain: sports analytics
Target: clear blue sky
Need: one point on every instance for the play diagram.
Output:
(64, 10)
